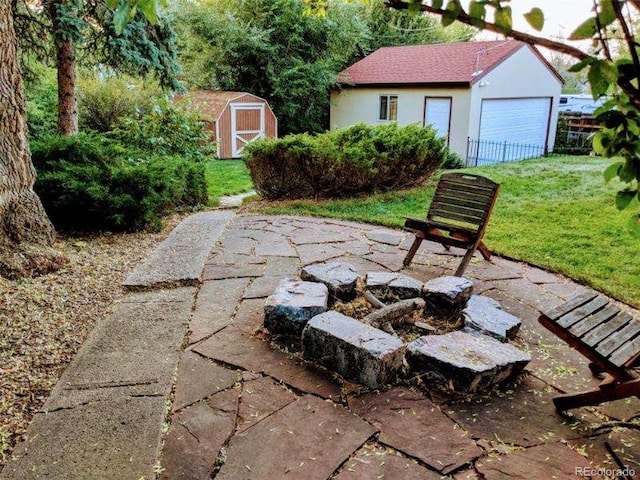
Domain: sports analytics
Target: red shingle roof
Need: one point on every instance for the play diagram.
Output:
(444, 63)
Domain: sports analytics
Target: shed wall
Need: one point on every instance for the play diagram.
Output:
(225, 149)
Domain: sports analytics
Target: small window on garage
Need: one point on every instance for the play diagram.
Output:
(388, 107)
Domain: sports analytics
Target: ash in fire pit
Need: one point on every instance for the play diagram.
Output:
(374, 320)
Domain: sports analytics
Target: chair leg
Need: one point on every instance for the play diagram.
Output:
(596, 397)
(412, 251)
(465, 261)
(482, 248)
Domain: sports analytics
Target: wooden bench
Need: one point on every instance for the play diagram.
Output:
(608, 337)
(457, 217)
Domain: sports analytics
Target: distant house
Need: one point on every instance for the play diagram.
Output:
(234, 118)
(493, 101)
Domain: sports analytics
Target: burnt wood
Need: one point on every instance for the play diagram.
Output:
(608, 337)
(457, 216)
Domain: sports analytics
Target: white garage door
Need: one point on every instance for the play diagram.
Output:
(513, 129)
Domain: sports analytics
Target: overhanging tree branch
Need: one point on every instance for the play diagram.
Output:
(492, 27)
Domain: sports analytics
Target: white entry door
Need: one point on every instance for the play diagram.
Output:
(437, 113)
(247, 124)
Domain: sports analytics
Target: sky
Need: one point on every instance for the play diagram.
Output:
(561, 16)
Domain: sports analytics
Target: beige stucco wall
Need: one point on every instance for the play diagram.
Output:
(521, 75)
(361, 105)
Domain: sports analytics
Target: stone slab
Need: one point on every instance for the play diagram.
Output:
(293, 303)
(250, 315)
(180, 258)
(393, 286)
(215, 306)
(377, 462)
(196, 436)
(385, 236)
(390, 261)
(261, 398)
(117, 439)
(133, 351)
(221, 272)
(356, 351)
(234, 347)
(339, 277)
(310, 253)
(199, 378)
(238, 242)
(279, 249)
(317, 236)
(543, 461)
(262, 287)
(486, 316)
(410, 422)
(308, 438)
(279, 267)
(470, 363)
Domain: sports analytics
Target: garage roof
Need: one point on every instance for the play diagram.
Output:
(460, 64)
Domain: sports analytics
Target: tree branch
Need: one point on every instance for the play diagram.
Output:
(628, 36)
(492, 27)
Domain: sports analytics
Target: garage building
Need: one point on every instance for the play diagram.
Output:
(493, 101)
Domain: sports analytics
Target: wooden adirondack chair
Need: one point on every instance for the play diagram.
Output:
(608, 337)
(457, 217)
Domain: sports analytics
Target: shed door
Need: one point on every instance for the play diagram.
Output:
(437, 113)
(247, 124)
(512, 129)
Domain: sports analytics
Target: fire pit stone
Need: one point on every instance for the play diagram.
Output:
(384, 284)
(288, 309)
(356, 351)
(469, 362)
(486, 316)
(339, 277)
(446, 296)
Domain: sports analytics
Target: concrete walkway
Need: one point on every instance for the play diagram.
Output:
(181, 382)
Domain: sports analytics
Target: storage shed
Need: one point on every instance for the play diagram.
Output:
(235, 118)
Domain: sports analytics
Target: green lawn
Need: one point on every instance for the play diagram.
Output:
(556, 213)
(226, 177)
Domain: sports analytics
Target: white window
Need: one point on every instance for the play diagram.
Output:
(388, 108)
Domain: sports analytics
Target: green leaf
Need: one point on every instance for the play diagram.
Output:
(452, 11)
(437, 4)
(612, 171)
(628, 172)
(601, 143)
(535, 18)
(121, 17)
(623, 198)
(601, 75)
(149, 9)
(582, 64)
(477, 12)
(586, 29)
(503, 19)
(634, 225)
(113, 4)
(607, 13)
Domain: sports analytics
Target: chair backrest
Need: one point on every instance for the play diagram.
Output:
(463, 199)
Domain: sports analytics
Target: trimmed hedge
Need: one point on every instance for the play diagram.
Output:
(347, 162)
(90, 183)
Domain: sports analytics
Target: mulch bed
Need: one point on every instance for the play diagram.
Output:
(45, 320)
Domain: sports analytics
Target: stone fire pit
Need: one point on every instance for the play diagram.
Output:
(473, 357)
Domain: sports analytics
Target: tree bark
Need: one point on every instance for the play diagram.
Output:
(66, 67)
(26, 234)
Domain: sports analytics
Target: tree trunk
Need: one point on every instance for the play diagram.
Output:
(26, 234)
(66, 67)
